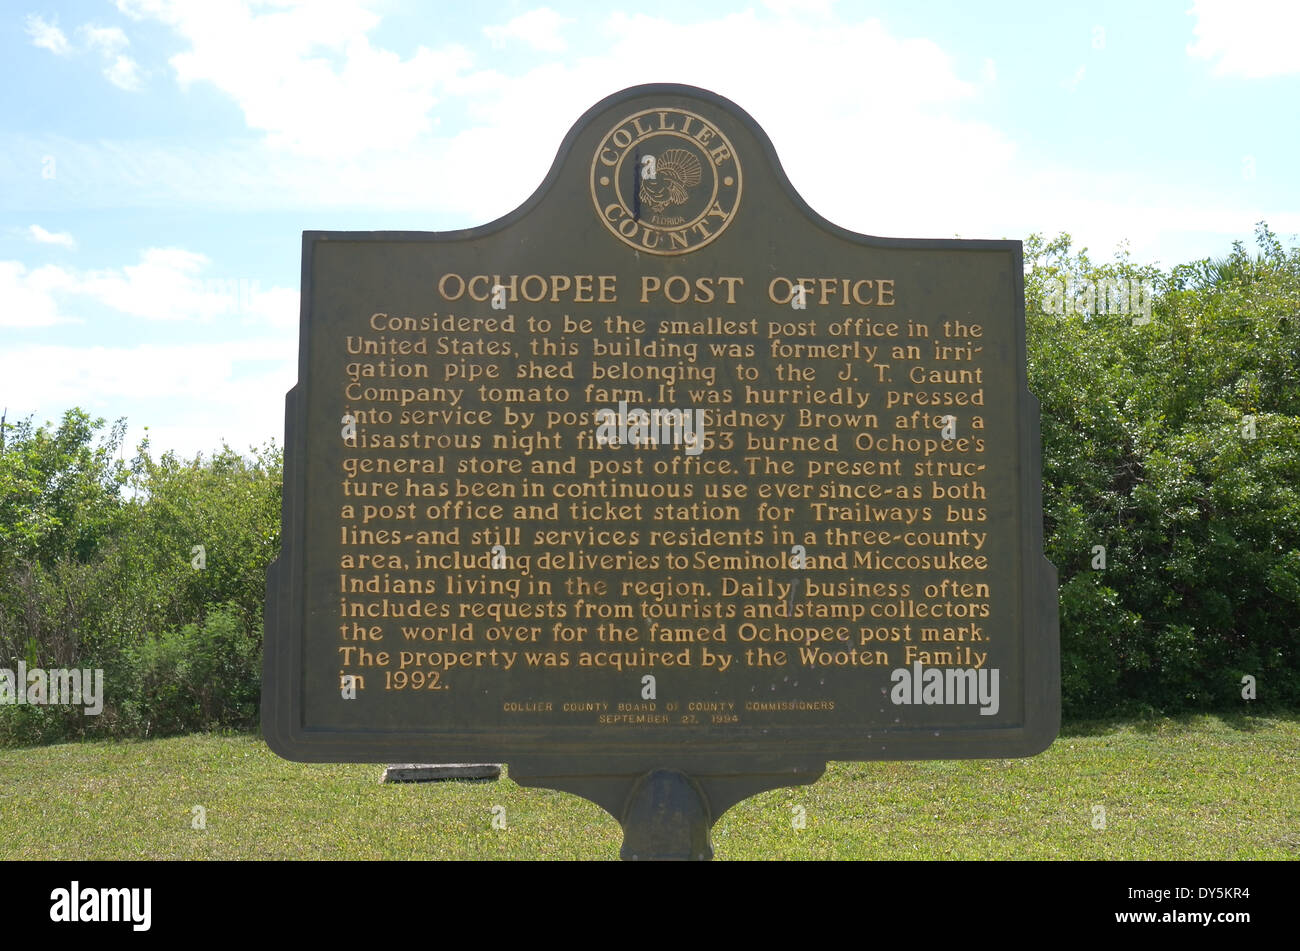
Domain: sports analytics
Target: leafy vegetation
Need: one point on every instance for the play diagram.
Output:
(1175, 445)
(154, 571)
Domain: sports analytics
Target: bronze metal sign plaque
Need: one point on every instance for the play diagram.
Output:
(661, 471)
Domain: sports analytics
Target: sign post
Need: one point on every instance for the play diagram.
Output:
(661, 489)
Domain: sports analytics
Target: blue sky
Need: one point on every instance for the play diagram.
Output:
(159, 159)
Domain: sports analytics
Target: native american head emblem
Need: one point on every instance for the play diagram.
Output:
(677, 171)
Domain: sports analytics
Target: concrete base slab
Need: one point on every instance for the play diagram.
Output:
(435, 772)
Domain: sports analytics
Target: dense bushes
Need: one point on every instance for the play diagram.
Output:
(199, 677)
(1175, 445)
(153, 571)
(1170, 446)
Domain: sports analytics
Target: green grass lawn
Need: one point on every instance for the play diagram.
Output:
(1191, 788)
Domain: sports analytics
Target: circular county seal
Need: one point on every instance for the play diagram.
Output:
(665, 181)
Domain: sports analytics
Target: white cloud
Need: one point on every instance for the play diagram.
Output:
(124, 73)
(27, 298)
(108, 39)
(166, 285)
(68, 374)
(800, 7)
(61, 238)
(1252, 39)
(309, 77)
(539, 29)
(913, 158)
(276, 308)
(1072, 83)
(190, 396)
(306, 74)
(163, 286)
(47, 35)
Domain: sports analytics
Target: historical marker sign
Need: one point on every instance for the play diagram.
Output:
(661, 471)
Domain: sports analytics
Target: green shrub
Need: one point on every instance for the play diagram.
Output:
(195, 678)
